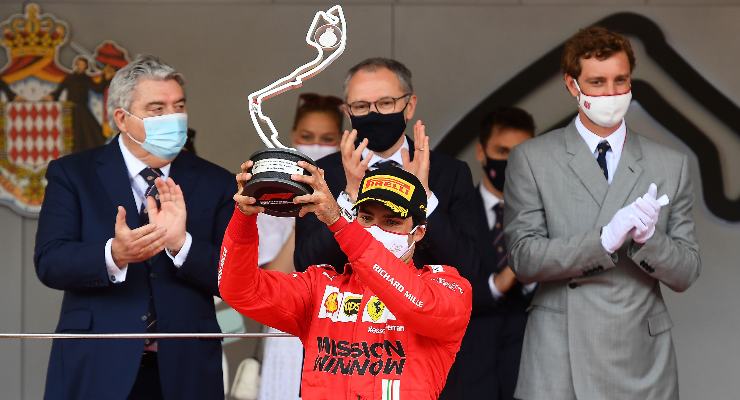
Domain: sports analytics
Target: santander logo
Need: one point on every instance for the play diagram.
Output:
(587, 105)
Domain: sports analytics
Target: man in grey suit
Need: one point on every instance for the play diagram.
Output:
(583, 218)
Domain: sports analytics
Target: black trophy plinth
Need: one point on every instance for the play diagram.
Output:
(271, 184)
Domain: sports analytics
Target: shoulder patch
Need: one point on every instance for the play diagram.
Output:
(436, 268)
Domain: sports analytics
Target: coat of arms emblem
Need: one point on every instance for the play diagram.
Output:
(46, 109)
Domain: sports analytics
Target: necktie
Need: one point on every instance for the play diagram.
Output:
(386, 164)
(497, 232)
(602, 148)
(149, 175)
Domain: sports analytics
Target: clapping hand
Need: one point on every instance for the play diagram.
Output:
(354, 165)
(135, 245)
(420, 165)
(650, 205)
(637, 220)
(171, 215)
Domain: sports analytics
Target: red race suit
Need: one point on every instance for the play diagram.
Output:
(382, 330)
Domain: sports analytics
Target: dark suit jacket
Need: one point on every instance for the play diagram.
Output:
(487, 365)
(77, 218)
(450, 237)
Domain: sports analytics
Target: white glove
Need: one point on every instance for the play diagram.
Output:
(619, 228)
(651, 207)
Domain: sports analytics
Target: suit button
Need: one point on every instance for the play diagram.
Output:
(152, 275)
(572, 285)
(144, 318)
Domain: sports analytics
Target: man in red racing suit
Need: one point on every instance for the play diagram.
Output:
(382, 329)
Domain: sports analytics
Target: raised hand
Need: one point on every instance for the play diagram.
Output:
(246, 204)
(321, 202)
(420, 165)
(129, 246)
(649, 205)
(354, 166)
(171, 214)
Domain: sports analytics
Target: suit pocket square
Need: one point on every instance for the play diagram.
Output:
(659, 323)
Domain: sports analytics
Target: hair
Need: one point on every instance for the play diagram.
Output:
(315, 103)
(505, 117)
(83, 58)
(125, 80)
(594, 41)
(418, 221)
(373, 64)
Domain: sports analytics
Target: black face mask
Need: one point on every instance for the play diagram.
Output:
(495, 171)
(381, 130)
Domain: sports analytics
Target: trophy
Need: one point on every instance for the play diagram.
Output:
(271, 184)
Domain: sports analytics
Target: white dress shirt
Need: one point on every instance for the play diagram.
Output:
(343, 200)
(489, 201)
(138, 189)
(616, 142)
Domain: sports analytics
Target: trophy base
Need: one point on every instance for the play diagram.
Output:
(271, 184)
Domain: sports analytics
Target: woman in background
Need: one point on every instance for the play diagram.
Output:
(316, 132)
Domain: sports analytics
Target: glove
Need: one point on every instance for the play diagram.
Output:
(624, 221)
(651, 207)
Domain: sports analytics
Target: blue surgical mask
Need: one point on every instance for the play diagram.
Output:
(165, 134)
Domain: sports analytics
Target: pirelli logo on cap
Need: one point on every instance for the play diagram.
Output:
(390, 183)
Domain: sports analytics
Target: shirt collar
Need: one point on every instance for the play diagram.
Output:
(489, 199)
(616, 139)
(395, 156)
(134, 165)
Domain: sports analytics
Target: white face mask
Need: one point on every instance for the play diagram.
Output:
(316, 151)
(605, 111)
(396, 243)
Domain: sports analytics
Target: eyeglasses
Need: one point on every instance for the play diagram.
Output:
(384, 105)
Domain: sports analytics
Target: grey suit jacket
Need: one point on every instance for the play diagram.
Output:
(598, 327)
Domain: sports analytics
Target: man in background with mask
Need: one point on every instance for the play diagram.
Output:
(488, 362)
(130, 260)
(380, 100)
(584, 217)
(381, 329)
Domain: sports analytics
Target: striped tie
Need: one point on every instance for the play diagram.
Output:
(497, 233)
(149, 175)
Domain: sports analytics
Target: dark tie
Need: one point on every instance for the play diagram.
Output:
(386, 164)
(149, 175)
(602, 148)
(497, 233)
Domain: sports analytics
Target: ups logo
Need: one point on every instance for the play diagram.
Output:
(351, 305)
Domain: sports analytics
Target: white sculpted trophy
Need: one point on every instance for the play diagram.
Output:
(271, 184)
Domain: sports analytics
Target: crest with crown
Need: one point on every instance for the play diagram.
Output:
(35, 129)
(32, 34)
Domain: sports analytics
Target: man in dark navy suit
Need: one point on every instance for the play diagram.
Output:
(487, 365)
(380, 100)
(130, 231)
